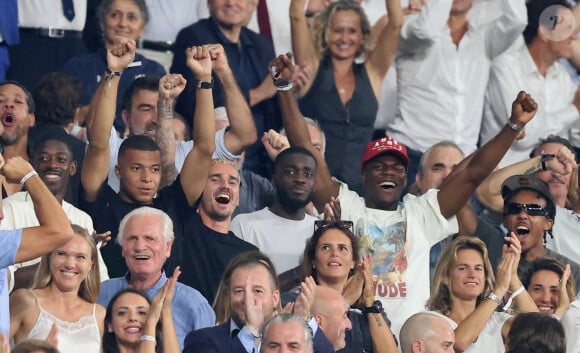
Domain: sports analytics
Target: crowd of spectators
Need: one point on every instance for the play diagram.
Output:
(313, 175)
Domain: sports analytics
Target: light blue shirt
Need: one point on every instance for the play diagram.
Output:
(190, 309)
(9, 242)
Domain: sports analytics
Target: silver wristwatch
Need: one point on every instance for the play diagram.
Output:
(491, 296)
(515, 126)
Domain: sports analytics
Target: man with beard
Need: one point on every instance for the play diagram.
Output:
(281, 231)
(213, 244)
(17, 114)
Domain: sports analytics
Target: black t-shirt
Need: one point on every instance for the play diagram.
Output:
(204, 255)
(108, 210)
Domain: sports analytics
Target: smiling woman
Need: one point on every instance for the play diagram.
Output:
(464, 291)
(61, 306)
(117, 18)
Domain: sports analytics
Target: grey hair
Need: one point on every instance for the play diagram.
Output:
(285, 318)
(105, 6)
(314, 123)
(444, 143)
(146, 211)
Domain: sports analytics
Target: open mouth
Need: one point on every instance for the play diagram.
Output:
(522, 230)
(141, 257)
(387, 185)
(8, 120)
(223, 199)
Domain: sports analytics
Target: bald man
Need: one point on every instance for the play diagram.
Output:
(330, 310)
(427, 332)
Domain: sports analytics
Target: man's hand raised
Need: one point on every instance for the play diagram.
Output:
(121, 54)
(171, 86)
(219, 60)
(523, 108)
(199, 62)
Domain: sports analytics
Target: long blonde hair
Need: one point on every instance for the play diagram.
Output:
(440, 299)
(89, 288)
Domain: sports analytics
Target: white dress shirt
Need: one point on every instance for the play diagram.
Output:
(441, 85)
(515, 71)
(48, 13)
(168, 17)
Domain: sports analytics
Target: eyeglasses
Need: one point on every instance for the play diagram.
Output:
(532, 209)
(322, 224)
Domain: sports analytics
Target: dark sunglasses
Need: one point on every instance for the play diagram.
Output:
(335, 224)
(532, 209)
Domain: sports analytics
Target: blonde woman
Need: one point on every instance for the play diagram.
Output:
(61, 306)
(464, 291)
(340, 93)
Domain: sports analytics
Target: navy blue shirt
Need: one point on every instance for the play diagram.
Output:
(249, 61)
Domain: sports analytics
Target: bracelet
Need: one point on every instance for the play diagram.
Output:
(544, 158)
(148, 338)
(514, 294)
(29, 175)
(284, 88)
(110, 74)
(282, 84)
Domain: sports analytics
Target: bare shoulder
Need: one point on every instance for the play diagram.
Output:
(100, 312)
(22, 299)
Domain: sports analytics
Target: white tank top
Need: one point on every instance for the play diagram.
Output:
(80, 336)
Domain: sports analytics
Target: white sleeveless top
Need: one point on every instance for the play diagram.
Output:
(80, 336)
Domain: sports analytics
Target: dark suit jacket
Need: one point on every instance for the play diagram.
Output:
(212, 340)
(218, 340)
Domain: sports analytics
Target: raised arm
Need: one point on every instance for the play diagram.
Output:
(459, 185)
(242, 131)
(469, 329)
(54, 228)
(383, 55)
(161, 309)
(506, 29)
(170, 86)
(422, 30)
(196, 166)
(96, 164)
(302, 43)
(381, 335)
(489, 191)
(298, 135)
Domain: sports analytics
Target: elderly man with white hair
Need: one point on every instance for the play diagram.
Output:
(146, 236)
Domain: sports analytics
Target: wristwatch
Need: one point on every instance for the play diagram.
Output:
(491, 296)
(376, 308)
(515, 126)
(205, 85)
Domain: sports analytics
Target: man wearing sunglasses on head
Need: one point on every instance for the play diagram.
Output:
(529, 212)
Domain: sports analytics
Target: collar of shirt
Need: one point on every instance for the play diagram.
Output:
(151, 292)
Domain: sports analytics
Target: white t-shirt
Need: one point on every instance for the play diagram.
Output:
(401, 241)
(19, 213)
(282, 239)
(571, 323)
(490, 339)
(566, 237)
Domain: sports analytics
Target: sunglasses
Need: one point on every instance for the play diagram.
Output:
(321, 224)
(532, 209)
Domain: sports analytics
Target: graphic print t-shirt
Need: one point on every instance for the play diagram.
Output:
(400, 241)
